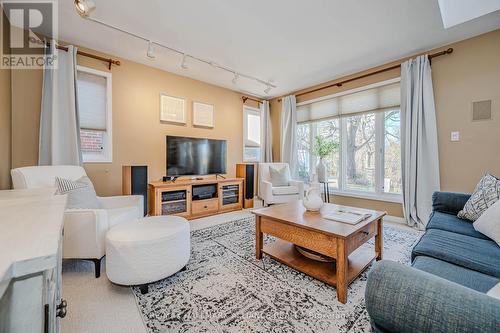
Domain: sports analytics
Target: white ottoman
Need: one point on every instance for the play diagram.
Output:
(147, 250)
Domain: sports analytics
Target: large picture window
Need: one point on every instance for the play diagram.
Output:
(365, 127)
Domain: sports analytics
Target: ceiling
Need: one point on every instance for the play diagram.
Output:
(294, 44)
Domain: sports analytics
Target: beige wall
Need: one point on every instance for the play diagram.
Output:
(470, 73)
(138, 135)
(5, 132)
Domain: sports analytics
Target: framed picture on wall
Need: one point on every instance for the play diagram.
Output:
(203, 114)
(172, 109)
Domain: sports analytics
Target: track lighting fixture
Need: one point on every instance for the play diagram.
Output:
(183, 63)
(151, 50)
(268, 89)
(235, 78)
(84, 7)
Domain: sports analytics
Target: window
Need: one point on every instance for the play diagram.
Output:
(365, 127)
(252, 134)
(94, 107)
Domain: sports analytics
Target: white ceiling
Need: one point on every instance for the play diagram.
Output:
(293, 43)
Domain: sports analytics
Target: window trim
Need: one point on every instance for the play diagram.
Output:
(252, 110)
(107, 157)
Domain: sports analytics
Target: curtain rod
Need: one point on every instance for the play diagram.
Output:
(339, 84)
(93, 56)
(245, 98)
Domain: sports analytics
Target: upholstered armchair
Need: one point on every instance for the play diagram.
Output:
(84, 229)
(278, 194)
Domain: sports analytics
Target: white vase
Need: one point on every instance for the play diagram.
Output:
(321, 171)
(312, 200)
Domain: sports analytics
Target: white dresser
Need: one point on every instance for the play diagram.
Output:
(31, 226)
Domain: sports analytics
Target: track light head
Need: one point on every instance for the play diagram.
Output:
(183, 63)
(151, 51)
(268, 89)
(84, 7)
(235, 78)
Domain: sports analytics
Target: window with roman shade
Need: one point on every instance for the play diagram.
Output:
(364, 125)
(94, 108)
(367, 100)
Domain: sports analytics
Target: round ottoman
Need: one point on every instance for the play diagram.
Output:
(147, 250)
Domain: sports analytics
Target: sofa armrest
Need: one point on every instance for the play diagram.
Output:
(400, 298)
(121, 201)
(84, 232)
(300, 185)
(266, 191)
(449, 202)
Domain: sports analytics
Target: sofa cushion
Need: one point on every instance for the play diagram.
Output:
(284, 190)
(486, 193)
(279, 177)
(452, 223)
(489, 222)
(477, 254)
(81, 193)
(466, 277)
(449, 202)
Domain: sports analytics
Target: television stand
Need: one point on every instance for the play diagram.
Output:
(169, 198)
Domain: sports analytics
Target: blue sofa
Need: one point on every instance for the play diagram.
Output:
(444, 290)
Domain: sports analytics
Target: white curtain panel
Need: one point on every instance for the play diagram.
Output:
(59, 142)
(288, 140)
(419, 144)
(267, 153)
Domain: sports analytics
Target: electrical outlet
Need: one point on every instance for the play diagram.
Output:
(455, 136)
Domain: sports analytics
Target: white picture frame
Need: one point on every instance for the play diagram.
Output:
(172, 109)
(203, 115)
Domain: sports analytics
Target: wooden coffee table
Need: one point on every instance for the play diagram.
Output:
(292, 224)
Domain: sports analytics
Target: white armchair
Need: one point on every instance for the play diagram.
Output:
(278, 194)
(84, 229)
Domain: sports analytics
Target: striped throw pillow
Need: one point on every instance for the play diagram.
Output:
(81, 193)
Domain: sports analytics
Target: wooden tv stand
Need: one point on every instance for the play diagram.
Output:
(177, 198)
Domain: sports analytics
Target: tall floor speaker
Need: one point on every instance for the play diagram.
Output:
(247, 171)
(135, 182)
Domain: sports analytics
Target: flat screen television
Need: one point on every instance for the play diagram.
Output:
(195, 156)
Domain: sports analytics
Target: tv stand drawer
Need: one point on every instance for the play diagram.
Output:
(202, 207)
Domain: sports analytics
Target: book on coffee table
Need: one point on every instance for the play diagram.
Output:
(345, 216)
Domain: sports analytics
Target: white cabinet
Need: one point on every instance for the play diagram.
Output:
(31, 229)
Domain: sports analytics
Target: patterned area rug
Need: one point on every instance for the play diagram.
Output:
(225, 289)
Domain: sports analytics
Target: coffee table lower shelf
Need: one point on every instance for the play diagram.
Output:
(286, 253)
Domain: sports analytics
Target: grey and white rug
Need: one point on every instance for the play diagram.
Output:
(225, 289)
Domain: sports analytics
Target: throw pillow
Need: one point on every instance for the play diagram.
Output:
(81, 193)
(279, 177)
(487, 192)
(489, 222)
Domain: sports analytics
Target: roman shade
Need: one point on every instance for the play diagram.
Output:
(92, 101)
(370, 100)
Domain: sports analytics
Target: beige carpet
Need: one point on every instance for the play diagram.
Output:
(97, 305)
